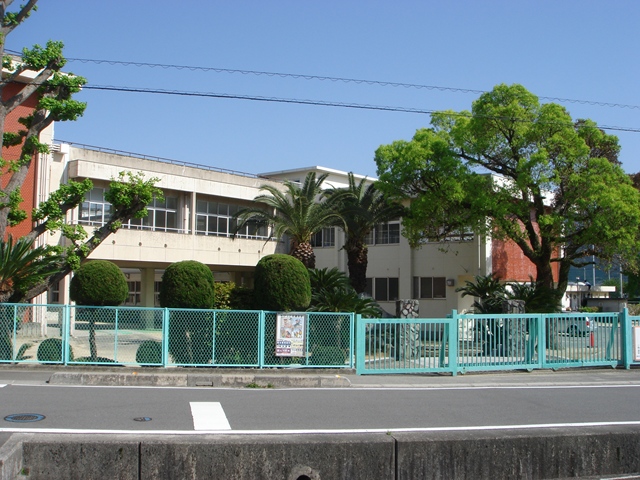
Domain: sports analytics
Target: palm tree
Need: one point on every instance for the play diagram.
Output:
(298, 212)
(362, 207)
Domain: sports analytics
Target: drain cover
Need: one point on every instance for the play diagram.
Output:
(24, 417)
(142, 419)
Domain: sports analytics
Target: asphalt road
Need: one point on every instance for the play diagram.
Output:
(502, 401)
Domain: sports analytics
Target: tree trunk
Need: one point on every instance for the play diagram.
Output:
(304, 253)
(357, 261)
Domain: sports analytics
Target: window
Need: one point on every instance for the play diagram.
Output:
(95, 210)
(383, 289)
(385, 234)
(162, 214)
(134, 297)
(215, 218)
(54, 293)
(429, 287)
(324, 238)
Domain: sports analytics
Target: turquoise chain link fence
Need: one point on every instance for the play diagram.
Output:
(80, 335)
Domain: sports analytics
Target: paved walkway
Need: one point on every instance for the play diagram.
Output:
(302, 378)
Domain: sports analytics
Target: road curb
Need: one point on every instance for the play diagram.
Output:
(248, 380)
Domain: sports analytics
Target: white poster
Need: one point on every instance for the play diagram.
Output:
(636, 344)
(290, 334)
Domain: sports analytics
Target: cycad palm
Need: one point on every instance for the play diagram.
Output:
(362, 207)
(23, 267)
(298, 212)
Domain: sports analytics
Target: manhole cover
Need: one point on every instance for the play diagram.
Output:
(142, 419)
(24, 417)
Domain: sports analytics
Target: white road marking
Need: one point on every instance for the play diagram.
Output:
(228, 431)
(209, 416)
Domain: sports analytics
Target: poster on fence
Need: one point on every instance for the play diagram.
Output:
(636, 344)
(290, 334)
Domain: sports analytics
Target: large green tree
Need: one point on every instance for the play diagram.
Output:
(39, 74)
(297, 211)
(363, 207)
(554, 186)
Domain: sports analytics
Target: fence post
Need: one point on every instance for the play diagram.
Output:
(360, 345)
(352, 339)
(65, 333)
(542, 340)
(261, 338)
(626, 331)
(454, 340)
(165, 337)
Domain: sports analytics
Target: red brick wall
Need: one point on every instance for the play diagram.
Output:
(510, 264)
(13, 153)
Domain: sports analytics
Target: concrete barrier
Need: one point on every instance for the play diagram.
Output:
(529, 454)
(499, 454)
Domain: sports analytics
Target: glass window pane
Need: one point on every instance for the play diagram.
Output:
(172, 203)
(223, 224)
(382, 293)
(393, 289)
(439, 287)
(201, 206)
(201, 224)
(172, 220)
(160, 219)
(369, 288)
(426, 287)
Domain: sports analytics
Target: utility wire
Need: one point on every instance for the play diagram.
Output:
(301, 102)
(337, 79)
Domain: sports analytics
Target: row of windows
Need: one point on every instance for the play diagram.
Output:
(215, 218)
(383, 234)
(387, 289)
(429, 287)
(212, 218)
(162, 213)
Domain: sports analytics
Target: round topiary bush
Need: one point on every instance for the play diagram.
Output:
(50, 350)
(99, 283)
(281, 284)
(187, 284)
(149, 353)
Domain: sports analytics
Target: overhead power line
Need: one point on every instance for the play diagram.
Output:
(297, 101)
(337, 79)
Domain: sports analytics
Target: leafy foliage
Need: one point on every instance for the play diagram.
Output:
(332, 292)
(23, 267)
(149, 353)
(99, 283)
(361, 208)
(555, 188)
(39, 74)
(281, 284)
(187, 284)
(295, 212)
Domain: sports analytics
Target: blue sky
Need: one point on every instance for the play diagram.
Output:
(575, 49)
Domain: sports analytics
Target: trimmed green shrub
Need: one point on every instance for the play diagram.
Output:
(187, 284)
(50, 350)
(149, 353)
(322, 355)
(241, 298)
(99, 283)
(281, 284)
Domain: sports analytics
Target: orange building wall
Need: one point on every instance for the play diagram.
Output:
(13, 153)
